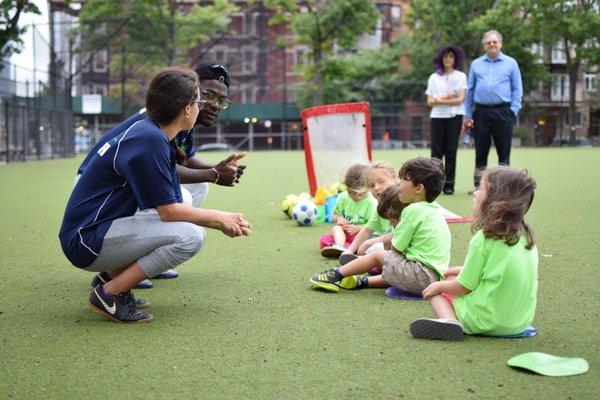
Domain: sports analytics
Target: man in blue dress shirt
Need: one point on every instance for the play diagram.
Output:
(493, 101)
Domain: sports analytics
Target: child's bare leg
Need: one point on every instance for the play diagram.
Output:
(377, 282)
(441, 306)
(363, 264)
(338, 235)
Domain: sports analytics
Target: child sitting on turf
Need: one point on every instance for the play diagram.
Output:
(352, 210)
(379, 176)
(420, 249)
(495, 291)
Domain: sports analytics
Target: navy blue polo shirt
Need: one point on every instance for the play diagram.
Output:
(135, 169)
(184, 139)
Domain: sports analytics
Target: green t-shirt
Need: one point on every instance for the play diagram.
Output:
(503, 284)
(423, 236)
(356, 212)
(379, 226)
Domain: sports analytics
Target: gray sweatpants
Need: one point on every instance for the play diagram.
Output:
(156, 245)
(198, 191)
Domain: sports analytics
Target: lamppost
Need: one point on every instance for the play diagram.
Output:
(250, 121)
(268, 125)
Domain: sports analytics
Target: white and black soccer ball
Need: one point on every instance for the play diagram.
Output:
(304, 213)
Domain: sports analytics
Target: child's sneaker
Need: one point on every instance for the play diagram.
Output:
(345, 258)
(333, 251)
(354, 282)
(120, 307)
(328, 280)
(442, 329)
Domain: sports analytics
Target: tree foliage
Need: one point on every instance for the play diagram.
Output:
(368, 75)
(142, 36)
(10, 32)
(323, 26)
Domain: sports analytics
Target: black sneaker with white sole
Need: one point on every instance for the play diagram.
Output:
(345, 258)
(120, 307)
(102, 277)
(440, 329)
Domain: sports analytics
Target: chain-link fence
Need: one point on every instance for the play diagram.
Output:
(30, 131)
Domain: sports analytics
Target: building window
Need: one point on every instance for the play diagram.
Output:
(537, 49)
(101, 61)
(590, 82)
(249, 24)
(248, 94)
(221, 55)
(300, 56)
(373, 40)
(249, 61)
(99, 88)
(85, 64)
(237, 23)
(577, 118)
(559, 90)
(559, 55)
(396, 16)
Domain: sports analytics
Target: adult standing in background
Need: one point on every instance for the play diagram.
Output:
(493, 101)
(445, 95)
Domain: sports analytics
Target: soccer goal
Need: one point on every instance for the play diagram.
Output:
(336, 136)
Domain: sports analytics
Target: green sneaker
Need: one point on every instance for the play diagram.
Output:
(354, 282)
(326, 280)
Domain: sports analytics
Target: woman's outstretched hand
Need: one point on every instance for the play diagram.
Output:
(234, 224)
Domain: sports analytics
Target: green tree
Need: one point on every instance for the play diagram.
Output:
(143, 35)
(10, 32)
(323, 25)
(574, 24)
(367, 75)
(463, 22)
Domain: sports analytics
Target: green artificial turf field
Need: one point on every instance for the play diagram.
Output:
(242, 322)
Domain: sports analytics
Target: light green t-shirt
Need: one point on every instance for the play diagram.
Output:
(379, 226)
(356, 212)
(423, 236)
(503, 284)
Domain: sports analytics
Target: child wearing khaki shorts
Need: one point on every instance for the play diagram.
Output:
(419, 252)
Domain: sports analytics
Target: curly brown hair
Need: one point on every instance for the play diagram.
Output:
(390, 206)
(509, 195)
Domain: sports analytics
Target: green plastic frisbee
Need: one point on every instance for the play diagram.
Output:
(549, 365)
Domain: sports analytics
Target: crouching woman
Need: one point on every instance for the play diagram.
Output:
(101, 231)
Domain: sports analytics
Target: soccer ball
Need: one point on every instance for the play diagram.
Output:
(304, 213)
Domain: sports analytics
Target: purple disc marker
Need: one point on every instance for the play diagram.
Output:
(400, 294)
